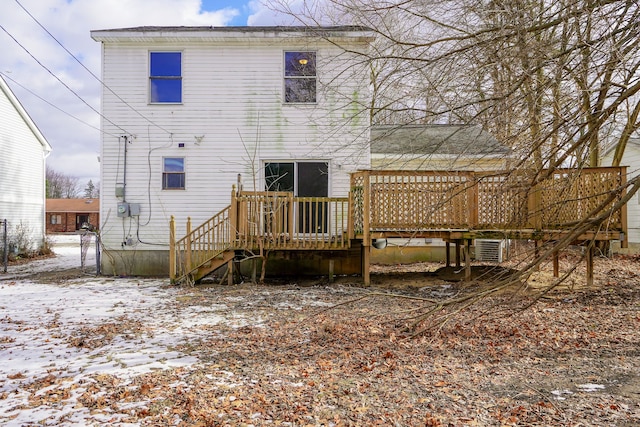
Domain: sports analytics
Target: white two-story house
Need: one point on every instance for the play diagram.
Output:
(23, 152)
(188, 112)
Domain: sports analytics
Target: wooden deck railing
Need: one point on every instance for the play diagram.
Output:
(400, 201)
(278, 220)
(436, 200)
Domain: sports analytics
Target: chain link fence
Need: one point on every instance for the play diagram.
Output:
(86, 240)
(5, 243)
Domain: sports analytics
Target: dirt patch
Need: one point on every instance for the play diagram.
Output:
(56, 276)
(27, 259)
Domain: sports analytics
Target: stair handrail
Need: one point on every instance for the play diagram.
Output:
(200, 245)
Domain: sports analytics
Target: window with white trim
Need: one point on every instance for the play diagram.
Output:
(173, 173)
(300, 77)
(165, 77)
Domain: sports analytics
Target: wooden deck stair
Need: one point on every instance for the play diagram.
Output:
(202, 250)
(259, 221)
(212, 265)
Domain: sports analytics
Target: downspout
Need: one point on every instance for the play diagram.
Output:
(45, 154)
(124, 170)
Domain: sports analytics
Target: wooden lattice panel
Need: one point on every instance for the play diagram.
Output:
(357, 202)
(502, 201)
(404, 200)
(410, 201)
(570, 196)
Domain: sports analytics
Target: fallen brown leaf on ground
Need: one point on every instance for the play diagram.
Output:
(340, 355)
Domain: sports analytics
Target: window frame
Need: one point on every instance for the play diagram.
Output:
(303, 217)
(55, 219)
(164, 78)
(295, 179)
(167, 174)
(288, 76)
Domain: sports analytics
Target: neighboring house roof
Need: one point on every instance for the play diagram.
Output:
(73, 205)
(25, 116)
(229, 29)
(423, 140)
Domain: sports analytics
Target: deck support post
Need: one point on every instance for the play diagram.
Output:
(467, 260)
(448, 254)
(331, 270)
(230, 272)
(187, 258)
(537, 253)
(366, 264)
(366, 232)
(590, 252)
(556, 264)
(254, 271)
(172, 249)
(457, 253)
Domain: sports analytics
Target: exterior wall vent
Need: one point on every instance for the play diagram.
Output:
(489, 250)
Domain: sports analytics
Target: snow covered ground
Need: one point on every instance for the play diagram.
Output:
(68, 255)
(58, 332)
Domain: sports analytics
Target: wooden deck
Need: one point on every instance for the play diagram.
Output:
(458, 206)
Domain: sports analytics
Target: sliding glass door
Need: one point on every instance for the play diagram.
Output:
(304, 179)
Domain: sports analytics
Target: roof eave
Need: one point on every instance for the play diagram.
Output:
(149, 34)
(46, 147)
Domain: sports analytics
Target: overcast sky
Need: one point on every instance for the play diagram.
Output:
(32, 71)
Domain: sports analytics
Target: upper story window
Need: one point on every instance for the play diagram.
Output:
(165, 77)
(173, 173)
(300, 77)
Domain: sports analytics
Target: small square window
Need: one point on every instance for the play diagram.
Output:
(56, 219)
(300, 77)
(165, 77)
(173, 175)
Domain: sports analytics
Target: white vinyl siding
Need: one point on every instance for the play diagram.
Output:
(21, 173)
(231, 119)
(631, 159)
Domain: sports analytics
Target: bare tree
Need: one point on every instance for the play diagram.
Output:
(61, 186)
(557, 81)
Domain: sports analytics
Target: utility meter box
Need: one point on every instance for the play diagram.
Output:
(123, 210)
(128, 209)
(134, 209)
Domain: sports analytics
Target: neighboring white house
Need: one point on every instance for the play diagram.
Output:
(437, 147)
(23, 150)
(631, 159)
(188, 109)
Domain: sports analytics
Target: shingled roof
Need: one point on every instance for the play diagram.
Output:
(455, 140)
(73, 205)
(200, 33)
(229, 29)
